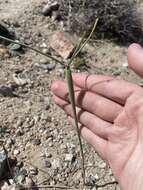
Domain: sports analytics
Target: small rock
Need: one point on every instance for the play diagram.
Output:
(61, 42)
(96, 177)
(43, 45)
(36, 142)
(91, 180)
(16, 152)
(6, 91)
(69, 157)
(49, 8)
(56, 16)
(20, 177)
(48, 164)
(102, 165)
(15, 47)
(45, 50)
(43, 61)
(117, 72)
(47, 154)
(33, 171)
(50, 144)
(47, 67)
(56, 164)
(11, 181)
(125, 65)
(19, 132)
(20, 81)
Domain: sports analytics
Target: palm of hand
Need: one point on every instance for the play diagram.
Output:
(112, 124)
(115, 134)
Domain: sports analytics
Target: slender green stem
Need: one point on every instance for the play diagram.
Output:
(29, 47)
(72, 100)
(81, 46)
(72, 94)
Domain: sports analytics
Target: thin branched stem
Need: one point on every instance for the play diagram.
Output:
(32, 48)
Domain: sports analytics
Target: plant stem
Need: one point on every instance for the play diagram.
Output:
(72, 94)
(29, 47)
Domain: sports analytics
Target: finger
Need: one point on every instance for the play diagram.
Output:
(135, 58)
(92, 122)
(91, 102)
(98, 143)
(109, 87)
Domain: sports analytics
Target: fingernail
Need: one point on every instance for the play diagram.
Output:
(137, 46)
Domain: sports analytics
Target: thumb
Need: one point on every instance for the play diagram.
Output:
(135, 58)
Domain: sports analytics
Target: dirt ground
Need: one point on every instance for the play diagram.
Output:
(34, 129)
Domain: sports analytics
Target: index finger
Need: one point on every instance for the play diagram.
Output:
(109, 87)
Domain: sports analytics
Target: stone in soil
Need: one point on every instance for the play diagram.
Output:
(15, 47)
(50, 7)
(33, 171)
(45, 66)
(48, 164)
(69, 157)
(36, 142)
(61, 42)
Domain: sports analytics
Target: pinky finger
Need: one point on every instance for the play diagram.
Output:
(97, 142)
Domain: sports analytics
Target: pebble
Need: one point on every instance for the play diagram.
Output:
(43, 61)
(69, 157)
(20, 177)
(125, 65)
(45, 50)
(33, 171)
(91, 180)
(36, 142)
(20, 81)
(16, 152)
(49, 8)
(96, 177)
(43, 45)
(62, 43)
(47, 67)
(15, 47)
(50, 144)
(56, 164)
(19, 132)
(44, 115)
(56, 16)
(48, 155)
(102, 165)
(48, 164)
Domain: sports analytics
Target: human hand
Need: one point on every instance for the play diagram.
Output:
(110, 114)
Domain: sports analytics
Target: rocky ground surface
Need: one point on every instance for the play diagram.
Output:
(42, 148)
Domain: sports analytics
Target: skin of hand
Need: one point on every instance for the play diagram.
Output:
(110, 114)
